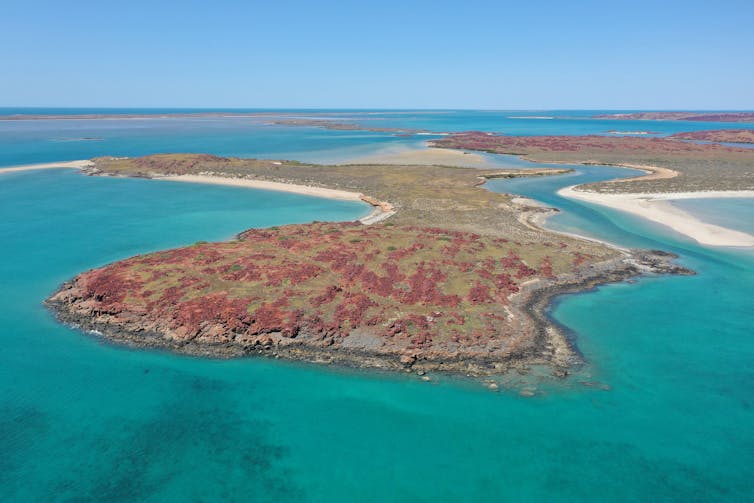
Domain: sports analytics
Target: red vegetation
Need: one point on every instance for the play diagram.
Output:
(411, 287)
(721, 135)
(589, 143)
(545, 268)
(684, 116)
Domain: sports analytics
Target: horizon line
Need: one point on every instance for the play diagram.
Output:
(132, 107)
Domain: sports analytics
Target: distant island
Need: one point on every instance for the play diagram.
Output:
(629, 133)
(682, 116)
(347, 126)
(458, 279)
(718, 136)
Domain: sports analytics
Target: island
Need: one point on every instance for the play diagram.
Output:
(456, 279)
(718, 136)
(682, 116)
(348, 126)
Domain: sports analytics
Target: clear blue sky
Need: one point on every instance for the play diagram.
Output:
(388, 54)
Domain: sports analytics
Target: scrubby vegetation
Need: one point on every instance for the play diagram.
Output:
(684, 116)
(718, 136)
(405, 288)
(699, 166)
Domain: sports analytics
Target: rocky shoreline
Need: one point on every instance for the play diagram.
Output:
(551, 345)
(459, 281)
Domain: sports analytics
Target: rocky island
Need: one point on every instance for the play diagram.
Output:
(347, 126)
(458, 279)
(718, 136)
(683, 116)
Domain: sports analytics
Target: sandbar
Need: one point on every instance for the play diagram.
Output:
(654, 207)
(49, 165)
(380, 211)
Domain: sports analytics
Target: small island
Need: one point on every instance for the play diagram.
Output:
(457, 279)
(682, 116)
(347, 126)
(718, 136)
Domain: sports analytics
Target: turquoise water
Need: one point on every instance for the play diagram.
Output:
(23, 142)
(662, 411)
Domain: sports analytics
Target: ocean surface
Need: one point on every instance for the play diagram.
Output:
(662, 411)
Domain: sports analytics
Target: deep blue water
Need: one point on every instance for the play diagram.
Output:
(662, 411)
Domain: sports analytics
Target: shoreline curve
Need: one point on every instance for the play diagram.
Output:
(381, 210)
(79, 164)
(656, 208)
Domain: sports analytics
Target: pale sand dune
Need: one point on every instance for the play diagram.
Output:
(425, 157)
(655, 207)
(49, 165)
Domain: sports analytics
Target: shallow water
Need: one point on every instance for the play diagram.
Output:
(735, 213)
(84, 420)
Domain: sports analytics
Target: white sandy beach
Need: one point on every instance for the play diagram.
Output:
(650, 173)
(265, 185)
(380, 211)
(656, 208)
(653, 207)
(49, 165)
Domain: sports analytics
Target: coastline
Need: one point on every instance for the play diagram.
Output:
(381, 210)
(534, 214)
(548, 343)
(551, 343)
(80, 164)
(425, 156)
(650, 173)
(655, 208)
(649, 205)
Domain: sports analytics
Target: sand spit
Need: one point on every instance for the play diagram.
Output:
(651, 173)
(381, 210)
(49, 165)
(654, 207)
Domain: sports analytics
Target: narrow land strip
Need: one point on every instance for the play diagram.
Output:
(380, 209)
(654, 207)
(48, 165)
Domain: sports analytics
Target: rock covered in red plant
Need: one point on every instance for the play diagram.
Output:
(404, 290)
(474, 140)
